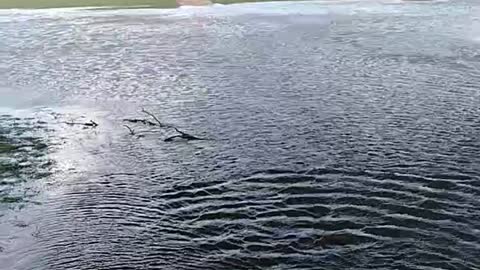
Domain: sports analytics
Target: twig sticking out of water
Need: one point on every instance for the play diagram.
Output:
(183, 135)
(88, 124)
(143, 121)
(160, 124)
(132, 132)
(36, 232)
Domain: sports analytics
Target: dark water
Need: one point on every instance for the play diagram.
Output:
(344, 136)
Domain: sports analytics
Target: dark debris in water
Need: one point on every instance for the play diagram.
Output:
(23, 157)
(7, 199)
(179, 134)
(6, 148)
(142, 121)
(91, 123)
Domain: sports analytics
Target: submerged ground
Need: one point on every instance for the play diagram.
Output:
(343, 135)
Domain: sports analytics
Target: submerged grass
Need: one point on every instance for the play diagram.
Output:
(7, 148)
(23, 159)
(11, 199)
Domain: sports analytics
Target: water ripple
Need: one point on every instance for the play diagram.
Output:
(338, 139)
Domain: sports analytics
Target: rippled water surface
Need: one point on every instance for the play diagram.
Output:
(342, 135)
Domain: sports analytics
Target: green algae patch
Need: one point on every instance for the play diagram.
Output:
(24, 161)
(8, 199)
(7, 148)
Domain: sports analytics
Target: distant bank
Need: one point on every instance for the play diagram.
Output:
(193, 2)
(30, 4)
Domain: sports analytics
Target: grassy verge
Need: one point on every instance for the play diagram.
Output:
(99, 3)
(85, 3)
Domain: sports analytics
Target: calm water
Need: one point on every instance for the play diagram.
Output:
(344, 136)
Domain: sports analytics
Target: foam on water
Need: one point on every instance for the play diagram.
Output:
(347, 7)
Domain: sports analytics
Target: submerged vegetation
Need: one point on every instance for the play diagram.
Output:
(25, 148)
(23, 159)
(6, 147)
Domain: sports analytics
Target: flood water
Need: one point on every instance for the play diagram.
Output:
(342, 135)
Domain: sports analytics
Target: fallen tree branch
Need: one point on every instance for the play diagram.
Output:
(143, 121)
(183, 135)
(160, 124)
(169, 139)
(88, 124)
(132, 132)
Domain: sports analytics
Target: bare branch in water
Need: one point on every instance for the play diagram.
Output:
(143, 121)
(132, 132)
(92, 123)
(181, 132)
(169, 139)
(154, 117)
(88, 124)
(183, 135)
